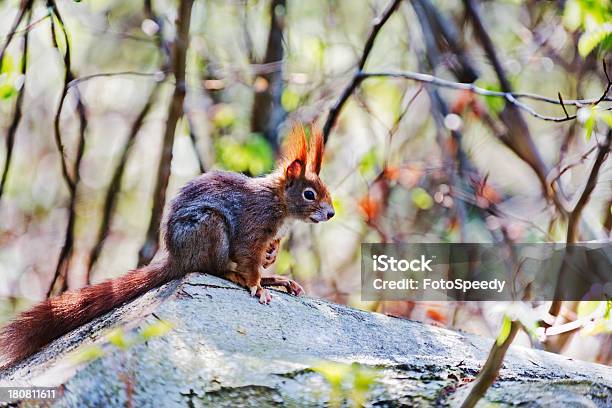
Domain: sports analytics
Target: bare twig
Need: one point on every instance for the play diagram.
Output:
(574, 102)
(608, 218)
(604, 95)
(68, 76)
(444, 83)
(23, 8)
(490, 369)
(12, 130)
(563, 105)
(84, 78)
(379, 22)
(581, 160)
(175, 110)
(397, 122)
(575, 214)
(28, 26)
(446, 33)
(59, 281)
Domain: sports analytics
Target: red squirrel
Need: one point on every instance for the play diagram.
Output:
(223, 223)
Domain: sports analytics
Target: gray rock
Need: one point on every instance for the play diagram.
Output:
(225, 349)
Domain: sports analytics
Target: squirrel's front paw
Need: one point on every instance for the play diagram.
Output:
(263, 294)
(270, 255)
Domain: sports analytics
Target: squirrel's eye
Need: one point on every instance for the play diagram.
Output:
(309, 195)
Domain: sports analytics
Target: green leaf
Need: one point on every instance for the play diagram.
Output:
(334, 373)
(8, 65)
(254, 156)
(290, 100)
(260, 154)
(338, 207)
(117, 339)
(363, 380)
(421, 198)
(7, 91)
(88, 354)
(589, 124)
(157, 329)
(591, 39)
(364, 377)
(496, 104)
(224, 116)
(368, 162)
(504, 332)
(314, 49)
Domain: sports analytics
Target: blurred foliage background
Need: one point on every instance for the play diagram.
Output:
(405, 162)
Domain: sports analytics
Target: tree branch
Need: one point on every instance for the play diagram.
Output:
(17, 114)
(490, 369)
(446, 33)
(175, 110)
(68, 76)
(575, 214)
(25, 6)
(84, 78)
(511, 97)
(379, 22)
(60, 278)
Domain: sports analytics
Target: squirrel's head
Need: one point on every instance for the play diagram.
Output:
(306, 196)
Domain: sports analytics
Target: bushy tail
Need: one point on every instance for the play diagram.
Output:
(54, 317)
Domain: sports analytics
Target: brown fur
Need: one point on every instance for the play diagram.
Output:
(221, 223)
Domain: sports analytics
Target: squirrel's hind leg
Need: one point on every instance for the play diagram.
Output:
(200, 243)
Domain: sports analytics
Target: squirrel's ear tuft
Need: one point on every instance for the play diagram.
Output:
(295, 153)
(315, 152)
(295, 145)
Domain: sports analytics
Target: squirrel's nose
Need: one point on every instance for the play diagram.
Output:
(330, 214)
